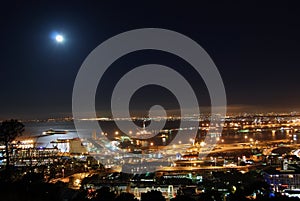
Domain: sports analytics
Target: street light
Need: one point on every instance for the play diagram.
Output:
(246, 137)
(214, 159)
(192, 141)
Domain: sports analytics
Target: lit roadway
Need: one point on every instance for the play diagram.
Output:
(227, 147)
(191, 168)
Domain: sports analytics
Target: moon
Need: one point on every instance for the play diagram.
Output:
(59, 38)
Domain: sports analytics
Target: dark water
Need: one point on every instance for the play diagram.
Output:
(33, 129)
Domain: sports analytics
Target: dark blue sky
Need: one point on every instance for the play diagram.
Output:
(255, 47)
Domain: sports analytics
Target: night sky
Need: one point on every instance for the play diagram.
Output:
(255, 47)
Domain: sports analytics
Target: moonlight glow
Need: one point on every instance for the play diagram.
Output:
(59, 38)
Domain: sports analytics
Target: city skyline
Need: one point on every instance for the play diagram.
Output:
(139, 101)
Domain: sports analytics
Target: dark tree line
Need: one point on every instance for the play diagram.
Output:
(9, 131)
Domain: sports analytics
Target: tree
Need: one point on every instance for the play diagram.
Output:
(9, 131)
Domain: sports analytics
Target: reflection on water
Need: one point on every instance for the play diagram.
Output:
(37, 128)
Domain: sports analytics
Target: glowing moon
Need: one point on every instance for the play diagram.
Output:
(59, 38)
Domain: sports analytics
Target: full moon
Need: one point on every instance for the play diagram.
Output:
(59, 38)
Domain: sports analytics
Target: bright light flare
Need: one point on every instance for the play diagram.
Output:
(59, 38)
